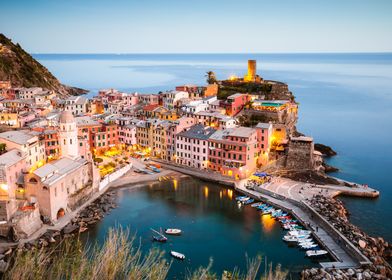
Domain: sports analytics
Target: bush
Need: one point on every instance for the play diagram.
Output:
(118, 258)
(98, 160)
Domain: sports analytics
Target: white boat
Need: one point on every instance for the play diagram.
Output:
(290, 238)
(299, 232)
(177, 255)
(173, 231)
(303, 241)
(308, 247)
(306, 244)
(316, 253)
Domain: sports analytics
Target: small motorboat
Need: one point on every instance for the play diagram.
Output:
(240, 198)
(159, 237)
(257, 204)
(299, 232)
(177, 255)
(309, 247)
(316, 253)
(173, 231)
(249, 201)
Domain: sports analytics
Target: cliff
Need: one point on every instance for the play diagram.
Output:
(24, 71)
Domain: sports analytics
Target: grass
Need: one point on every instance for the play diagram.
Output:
(117, 258)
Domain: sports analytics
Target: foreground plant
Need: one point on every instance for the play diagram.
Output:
(118, 258)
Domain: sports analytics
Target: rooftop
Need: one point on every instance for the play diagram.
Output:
(51, 172)
(11, 157)
(21, 137)
(198, 131)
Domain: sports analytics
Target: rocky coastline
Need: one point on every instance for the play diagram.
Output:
(377, 250)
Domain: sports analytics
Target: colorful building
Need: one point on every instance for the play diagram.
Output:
(192, 146)
(234, 152)
(235, 103)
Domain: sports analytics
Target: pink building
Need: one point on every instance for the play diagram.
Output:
(176, 127)
(130, 99)
(192, 146)
(234, 152)
(12, 166)
(235, 103)
(127, 135)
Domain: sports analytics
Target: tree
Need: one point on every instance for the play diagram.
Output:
(211, 78)
(2, 148)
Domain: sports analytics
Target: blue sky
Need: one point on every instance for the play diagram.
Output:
(189, 26)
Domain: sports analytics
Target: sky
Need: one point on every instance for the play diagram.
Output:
(198, 26)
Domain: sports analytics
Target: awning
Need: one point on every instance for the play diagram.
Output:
(261, 174)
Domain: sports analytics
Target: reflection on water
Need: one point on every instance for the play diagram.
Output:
(212, 225)
(205, 191)
(175, 184)
(268, 222)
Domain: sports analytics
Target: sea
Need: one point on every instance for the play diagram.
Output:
(345, 101)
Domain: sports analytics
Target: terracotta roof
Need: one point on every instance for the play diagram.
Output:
(150, 107)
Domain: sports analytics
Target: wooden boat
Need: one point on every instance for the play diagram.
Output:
(316, 253)
(159, 237)
(177, 255)
(173, 231)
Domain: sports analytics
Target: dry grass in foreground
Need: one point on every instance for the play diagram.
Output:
(118, 258)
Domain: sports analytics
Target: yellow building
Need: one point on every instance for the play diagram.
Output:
(251, 75)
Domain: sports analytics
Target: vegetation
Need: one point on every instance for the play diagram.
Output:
(250, 120)
(211, 78)
(98, 160)
(228, 88)
(118, 258)
(24, 71)
(3, 147)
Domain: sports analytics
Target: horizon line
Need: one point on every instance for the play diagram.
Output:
(210, 53)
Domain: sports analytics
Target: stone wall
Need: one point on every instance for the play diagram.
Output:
(300, 155)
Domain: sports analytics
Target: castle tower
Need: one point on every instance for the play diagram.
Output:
(68, 135)
(251, 76)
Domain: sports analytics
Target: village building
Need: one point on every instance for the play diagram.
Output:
(171, 98)
(28, 143)
(235, 103)
(55, 185)
(234, 152)
(77, 105)
(127, 134)
(192, 146)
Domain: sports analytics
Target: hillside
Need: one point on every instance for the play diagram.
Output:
(24, 71)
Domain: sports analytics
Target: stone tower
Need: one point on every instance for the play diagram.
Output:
(68, 135)
(251, 76)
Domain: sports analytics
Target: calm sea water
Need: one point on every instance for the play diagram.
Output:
(345, 102)
(213, 225)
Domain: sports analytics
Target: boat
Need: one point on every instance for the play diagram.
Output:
(256, 204)
(173, 231)
(308, 247)
(241, 197)
(299, 232)
(316, 253)
(249, 201)
(159, 237)
(177, 255)
(289, 238)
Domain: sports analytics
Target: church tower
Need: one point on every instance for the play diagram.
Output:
(68, 135)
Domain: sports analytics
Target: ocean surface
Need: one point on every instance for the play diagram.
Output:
(345, 102)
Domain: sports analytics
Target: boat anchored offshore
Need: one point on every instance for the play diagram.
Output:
(159, 237)
(173, 231)
(316, 253)
(177, 255)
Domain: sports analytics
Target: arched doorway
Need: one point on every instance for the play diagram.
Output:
(60, 213)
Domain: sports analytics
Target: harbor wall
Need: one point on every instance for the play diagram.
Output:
(341, 239)
(113, 176)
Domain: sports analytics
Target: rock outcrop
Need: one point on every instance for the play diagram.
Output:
(24, 71)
